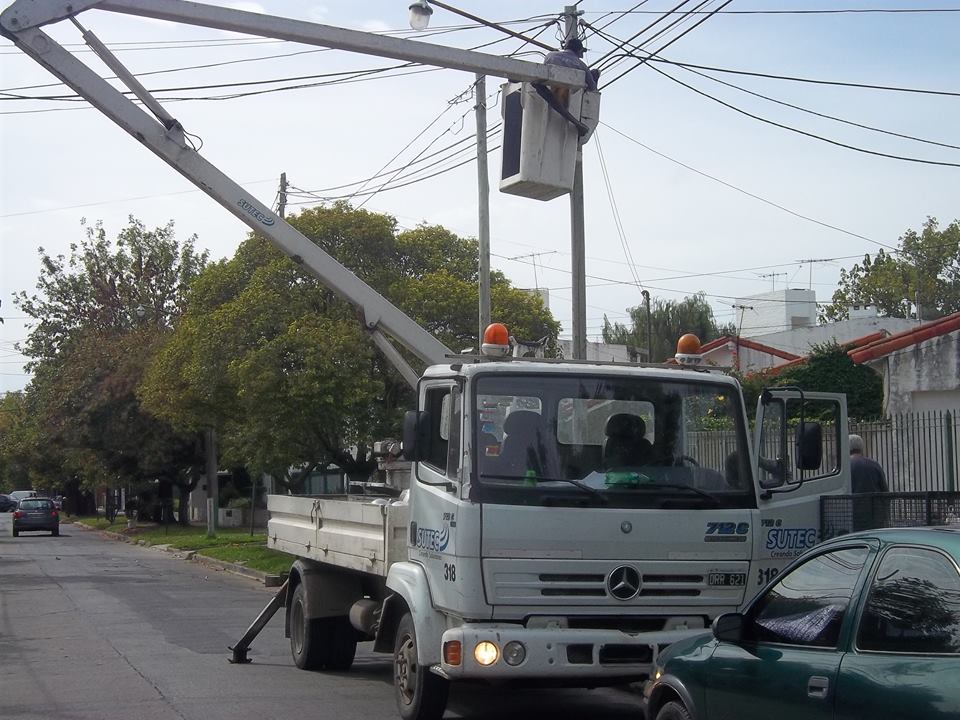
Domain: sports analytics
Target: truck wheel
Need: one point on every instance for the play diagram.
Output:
(55, 532)
(674, 711)
(320, 644)
(16, 533)
(420, 694)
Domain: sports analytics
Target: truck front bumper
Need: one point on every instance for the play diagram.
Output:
(574, 655)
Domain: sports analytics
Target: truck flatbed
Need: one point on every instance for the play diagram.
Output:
(365, 533)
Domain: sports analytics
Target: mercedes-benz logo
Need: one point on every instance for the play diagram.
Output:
(624, 582)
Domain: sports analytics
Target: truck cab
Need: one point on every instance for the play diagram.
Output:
(566, 519)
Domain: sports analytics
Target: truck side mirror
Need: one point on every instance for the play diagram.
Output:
(809, 446)
(416, 435)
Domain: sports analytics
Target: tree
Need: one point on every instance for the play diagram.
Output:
(282, 368)
(99, 317)
(828, 368)
(669, 319)
(925, 270)
(13, 446)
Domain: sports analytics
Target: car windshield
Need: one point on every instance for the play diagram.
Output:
(35, 504)
(632, 442)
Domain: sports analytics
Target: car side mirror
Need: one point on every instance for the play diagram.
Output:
(809, 446)
(728, 627)
(416, 435)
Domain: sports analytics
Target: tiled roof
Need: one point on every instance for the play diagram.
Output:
(747, 343)
(884, 346)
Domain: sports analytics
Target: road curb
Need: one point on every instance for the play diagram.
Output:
(268, 579)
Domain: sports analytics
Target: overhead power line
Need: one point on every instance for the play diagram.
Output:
(671, 42)
(824, 11)
(814, 81)
(790, 128)
(740, 190)
(650, 56)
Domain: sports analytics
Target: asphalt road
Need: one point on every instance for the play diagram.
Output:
(92, 628)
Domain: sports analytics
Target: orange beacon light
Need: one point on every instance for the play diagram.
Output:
(496, 340)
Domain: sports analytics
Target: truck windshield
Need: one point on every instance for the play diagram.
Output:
(612, 441)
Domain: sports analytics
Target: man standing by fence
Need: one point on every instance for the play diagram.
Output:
(867, 477)
(866, 473)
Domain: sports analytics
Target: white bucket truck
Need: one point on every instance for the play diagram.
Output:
(563, 520)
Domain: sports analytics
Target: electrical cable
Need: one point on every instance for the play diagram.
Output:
(650, 56)
(624, 244)
(783, 126)
(764, 200)
(671, 42)
(596, 63)
(814, 81)
(836, 11)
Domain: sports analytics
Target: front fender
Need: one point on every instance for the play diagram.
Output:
(664, 689)
(409, 583)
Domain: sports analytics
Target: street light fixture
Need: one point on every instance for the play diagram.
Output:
(420, 13)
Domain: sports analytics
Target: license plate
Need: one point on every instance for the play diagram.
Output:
(721, 579)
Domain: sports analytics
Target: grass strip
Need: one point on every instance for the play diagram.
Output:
(256, 557)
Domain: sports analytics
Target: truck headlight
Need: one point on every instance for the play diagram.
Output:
(514, 653)
(486, 653)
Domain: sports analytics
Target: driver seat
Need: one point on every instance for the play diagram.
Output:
(625, 444)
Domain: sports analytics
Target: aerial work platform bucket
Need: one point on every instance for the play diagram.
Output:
(540, 144)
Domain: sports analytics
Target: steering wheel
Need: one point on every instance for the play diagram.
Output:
(686, 458)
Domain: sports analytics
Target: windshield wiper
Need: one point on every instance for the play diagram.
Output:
(576, 483)
(677, 486)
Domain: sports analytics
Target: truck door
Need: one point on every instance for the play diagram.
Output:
(438, 516)
(800, 453)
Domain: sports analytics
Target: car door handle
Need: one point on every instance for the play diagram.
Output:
(817, 687)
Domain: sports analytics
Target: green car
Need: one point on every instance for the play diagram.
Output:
(863, 627)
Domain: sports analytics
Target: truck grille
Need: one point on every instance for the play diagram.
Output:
(584, 582)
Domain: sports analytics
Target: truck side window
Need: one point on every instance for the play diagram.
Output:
(443, 404)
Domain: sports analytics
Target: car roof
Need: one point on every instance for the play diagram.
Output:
(945, 537)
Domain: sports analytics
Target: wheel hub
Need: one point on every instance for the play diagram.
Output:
(405, 670)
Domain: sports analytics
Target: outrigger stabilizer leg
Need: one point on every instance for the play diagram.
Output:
(277, 602)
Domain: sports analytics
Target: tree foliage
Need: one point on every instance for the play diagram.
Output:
(926, 268)
(828, 368)
(98, 316)
(281, 366)
(669, 319)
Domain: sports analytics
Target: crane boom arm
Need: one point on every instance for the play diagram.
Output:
(165, 137)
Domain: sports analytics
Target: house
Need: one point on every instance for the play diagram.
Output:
(801, 340)
(744, 354)
(920, 367)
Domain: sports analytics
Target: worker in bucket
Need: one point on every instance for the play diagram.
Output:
(571, 56)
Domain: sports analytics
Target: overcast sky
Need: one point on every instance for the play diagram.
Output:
(63, 162)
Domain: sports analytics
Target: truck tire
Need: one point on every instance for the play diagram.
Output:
(319, 644)
(16, 533)
(420, 694)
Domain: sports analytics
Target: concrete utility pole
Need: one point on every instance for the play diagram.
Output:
(213, 486)
(646, 302)
(282, 203)
(483, 193)
(578, 262)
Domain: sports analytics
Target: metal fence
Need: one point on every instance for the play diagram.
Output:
(918, 451)
(842, 514)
